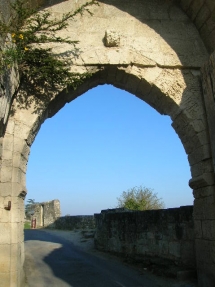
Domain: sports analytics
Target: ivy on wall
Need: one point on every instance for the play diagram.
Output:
(25, 37)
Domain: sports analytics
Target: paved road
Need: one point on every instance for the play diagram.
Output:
(54, 261)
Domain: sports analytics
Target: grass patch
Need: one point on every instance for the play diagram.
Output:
(27, 225)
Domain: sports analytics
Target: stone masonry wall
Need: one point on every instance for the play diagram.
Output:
(159, 60)
(46, 213)
(150, 235)
(204, 204)
(75, 222)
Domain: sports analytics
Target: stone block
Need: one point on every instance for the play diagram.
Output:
(163, 247)
(19, 176)
(212, 243)
(200, 125)
(122, 77)
(8, 142)
(153, 248)
(5, 214)
(132, 84)
(15, 257)
(7, 154)
(5, 231)
(195, 8)
(210, 4)
(150, 235)
(7, 162)
(21, 130)
(90, 58)
(5, 189)
(188, 257)
(198, 228)
(141, 249)
(207, 166)
(10, 127)
(206, 277)
(20, 161)
(22, 253)
(17, 189)
(204, 208)
(111, 75)
(189, 231)
(6, 174)
(21, 146)
(185, 4)
(209, 208)
(15, 278)
(15, 232)
(186, 275)
(189, 138)
(204, 180)
(204, 192)
(196, 169)
(199, 154)
(143, 89)
(5, 258)
(175, 249)
(203, 251)
(208, 229)
(16, 215)
(5, 279)
(115, 56)
(112, 38)
(203, 15)
(203, 137)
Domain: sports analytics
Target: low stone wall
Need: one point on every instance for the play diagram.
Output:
(74, 222)
(164, 237)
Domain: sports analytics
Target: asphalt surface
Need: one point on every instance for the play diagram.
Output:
(56, 262)
(68, 258)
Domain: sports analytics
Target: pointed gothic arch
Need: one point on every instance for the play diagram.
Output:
(152, 62)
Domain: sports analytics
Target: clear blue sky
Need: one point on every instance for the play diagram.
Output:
(101, 144)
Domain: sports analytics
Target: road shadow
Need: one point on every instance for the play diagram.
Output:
(78, 268)
(64, 262)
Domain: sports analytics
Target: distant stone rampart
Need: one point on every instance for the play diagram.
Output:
(75, 222)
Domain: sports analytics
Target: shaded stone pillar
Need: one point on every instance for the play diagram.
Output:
(204, 204)
(12, 192)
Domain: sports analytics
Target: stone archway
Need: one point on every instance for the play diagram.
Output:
(156, 61)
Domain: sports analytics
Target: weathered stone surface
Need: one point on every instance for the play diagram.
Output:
(206, 179)
(157, 58)
(204, 192)
(198, 229)
(112, 38)
(203, 208)
(154, 233)
(45, 213)
(208, 82)
(75, 222)
(208, 229)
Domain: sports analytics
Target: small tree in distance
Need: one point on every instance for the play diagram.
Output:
(29, 208)
(140, 198)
